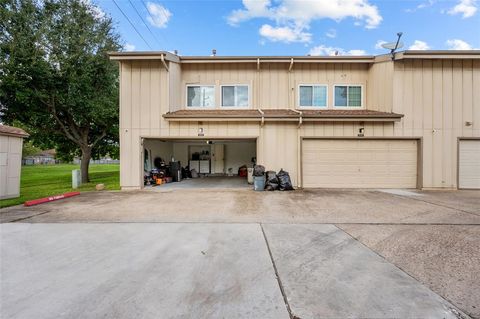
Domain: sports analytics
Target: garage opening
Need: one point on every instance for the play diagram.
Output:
(359, 163)
(205, 163)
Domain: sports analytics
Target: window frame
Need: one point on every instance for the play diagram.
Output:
(248, 106)
(362, 100)
(311, 107)
(201, 107)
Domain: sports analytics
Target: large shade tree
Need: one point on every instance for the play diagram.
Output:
(56, 77)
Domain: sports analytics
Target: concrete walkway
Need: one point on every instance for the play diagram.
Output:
(327, 274)
(137, 271)
(185, 270)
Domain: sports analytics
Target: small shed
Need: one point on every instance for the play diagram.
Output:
(11, 141)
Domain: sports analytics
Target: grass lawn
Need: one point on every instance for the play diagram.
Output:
(45, 180)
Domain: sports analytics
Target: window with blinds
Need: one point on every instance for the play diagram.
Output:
(312, 96)
(348, 96)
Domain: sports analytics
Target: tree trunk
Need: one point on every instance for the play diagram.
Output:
(85, 162)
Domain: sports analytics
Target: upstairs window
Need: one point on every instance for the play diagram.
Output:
(201, 96)
(235, 96)
(313, 96)
(348, 96)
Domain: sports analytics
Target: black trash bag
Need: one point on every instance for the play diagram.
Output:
(271, 183)
(269, 188)
(285, 184)
(259, 170)
(184, 173)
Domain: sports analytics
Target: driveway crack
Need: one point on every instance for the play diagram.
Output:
(279, 281)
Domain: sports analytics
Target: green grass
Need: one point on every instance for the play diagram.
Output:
(39, 181)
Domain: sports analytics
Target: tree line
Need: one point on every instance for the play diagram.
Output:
(56, 79)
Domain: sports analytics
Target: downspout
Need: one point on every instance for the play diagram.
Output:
(300, 120)
(263, 117)
(291, 65)
(162, 57)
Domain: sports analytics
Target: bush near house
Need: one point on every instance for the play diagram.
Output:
(46, 180)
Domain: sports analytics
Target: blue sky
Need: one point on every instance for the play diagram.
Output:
(294, 27)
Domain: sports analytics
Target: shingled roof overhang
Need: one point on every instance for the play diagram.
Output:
(282, 115)
(12, 131)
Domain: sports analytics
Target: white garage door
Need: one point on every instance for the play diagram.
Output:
(469, 164)
(359, 163)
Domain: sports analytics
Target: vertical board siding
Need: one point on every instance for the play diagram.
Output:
(143, 99)
(437, 98)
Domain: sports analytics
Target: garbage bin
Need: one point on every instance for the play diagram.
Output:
(258, 183)
(176, 171)
(250, 175)
(76, 178)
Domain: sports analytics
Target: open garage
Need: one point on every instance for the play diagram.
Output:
(204, 163)
(359, 163)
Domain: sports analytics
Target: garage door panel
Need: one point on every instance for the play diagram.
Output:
(469, 164)
(359, 163)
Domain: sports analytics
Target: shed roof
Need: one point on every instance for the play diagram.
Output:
(12, 131)
(281, 114)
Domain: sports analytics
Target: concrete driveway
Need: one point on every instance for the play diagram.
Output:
(237, 254)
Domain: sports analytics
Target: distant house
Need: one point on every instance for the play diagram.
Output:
(42, 157)
(11, 141)
(103, 160)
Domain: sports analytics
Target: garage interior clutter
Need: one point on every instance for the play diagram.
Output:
(170, 161)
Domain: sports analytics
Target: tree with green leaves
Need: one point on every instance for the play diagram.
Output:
(56, 77)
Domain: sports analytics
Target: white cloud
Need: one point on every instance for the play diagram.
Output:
(332, 33)
(284, 34)
(422, 5)
(467, 8)
(129, 47)
(419, 45)
(332, 51)
(457, 44)
(159, 15)
(297, 15)
(356, 52)
(379, 43)
(94, 9)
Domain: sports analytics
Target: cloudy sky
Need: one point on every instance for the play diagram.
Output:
(294, 27)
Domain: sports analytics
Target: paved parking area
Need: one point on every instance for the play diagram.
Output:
(177, 270)
(431, 237)
(247, 206)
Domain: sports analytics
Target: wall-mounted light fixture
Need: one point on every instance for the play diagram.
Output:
(200, 131)
(468, 123)
(361, 132)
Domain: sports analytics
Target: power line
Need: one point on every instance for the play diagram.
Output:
(151, 17)
(143, 21)
(126, 17)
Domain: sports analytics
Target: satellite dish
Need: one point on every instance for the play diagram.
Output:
(392, 45)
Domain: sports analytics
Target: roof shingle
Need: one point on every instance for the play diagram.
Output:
(278, 114)
(12, 131)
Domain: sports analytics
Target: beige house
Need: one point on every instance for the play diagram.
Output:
(334, 122)
(11, 141)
